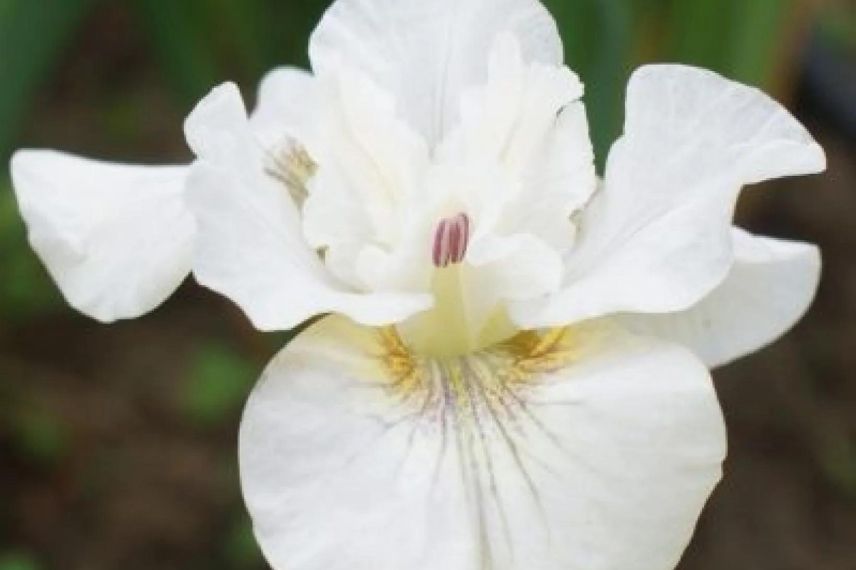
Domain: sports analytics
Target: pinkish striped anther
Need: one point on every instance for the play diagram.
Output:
(451, 239)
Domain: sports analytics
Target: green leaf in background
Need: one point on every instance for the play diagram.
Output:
(203, 42)
(838, 26)
(18, 561)
(33, 34)
(240, 547)
(218, 382)
(758, 27)
(734, 37)
(252, 34)
(26, 290)
(699, 30)
(39, 434)
(296, 27)
(598, 37)
(182, 44)
(838, 460)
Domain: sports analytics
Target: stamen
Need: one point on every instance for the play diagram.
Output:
(291, 164)
(451, 239)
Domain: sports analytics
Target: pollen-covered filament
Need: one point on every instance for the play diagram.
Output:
(451, 239)
(291, 164)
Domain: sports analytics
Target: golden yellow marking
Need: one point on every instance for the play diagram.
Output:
(540, 352)
(505, 366)
(404, 369)
(478, 402)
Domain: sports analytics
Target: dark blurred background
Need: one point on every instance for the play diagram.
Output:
(117, 444)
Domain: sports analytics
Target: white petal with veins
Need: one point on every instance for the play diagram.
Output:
(116, 238)
(518, 165)
(367, 189)
(250, 245)
(428, 53)
(657, 237)
(529, 121)
(769, 288)
(586, 449)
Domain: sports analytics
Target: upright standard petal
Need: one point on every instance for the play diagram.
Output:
(583, 448)
(250, 246)
(528, 119)
(367, 193)
(288, 104)
(117, 239)
(428, 53)
(657, 237)
(770, 286)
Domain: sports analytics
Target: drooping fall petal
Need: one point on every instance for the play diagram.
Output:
(768, 289)
(582, 448)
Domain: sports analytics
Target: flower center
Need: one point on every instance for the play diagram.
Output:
(451, 239)
(486, 384)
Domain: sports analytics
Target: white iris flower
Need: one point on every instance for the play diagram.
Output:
(514, 374)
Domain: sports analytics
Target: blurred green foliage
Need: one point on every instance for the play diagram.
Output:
(38, 434)
(17, 561)
(33, 36)
(216, 384)
(838, 460)
(240, 547)
(838, 24)
(25, 289)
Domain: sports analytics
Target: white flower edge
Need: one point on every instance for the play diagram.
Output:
(656, 238)
(250, 246)
(603, 463)
(117, 239)
(442, 51)
(770, 286)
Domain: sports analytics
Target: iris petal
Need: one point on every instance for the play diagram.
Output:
(584, 448)
(657, 237)
(442, 51)
(770, 286)
(250, 246)
(116, 238)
